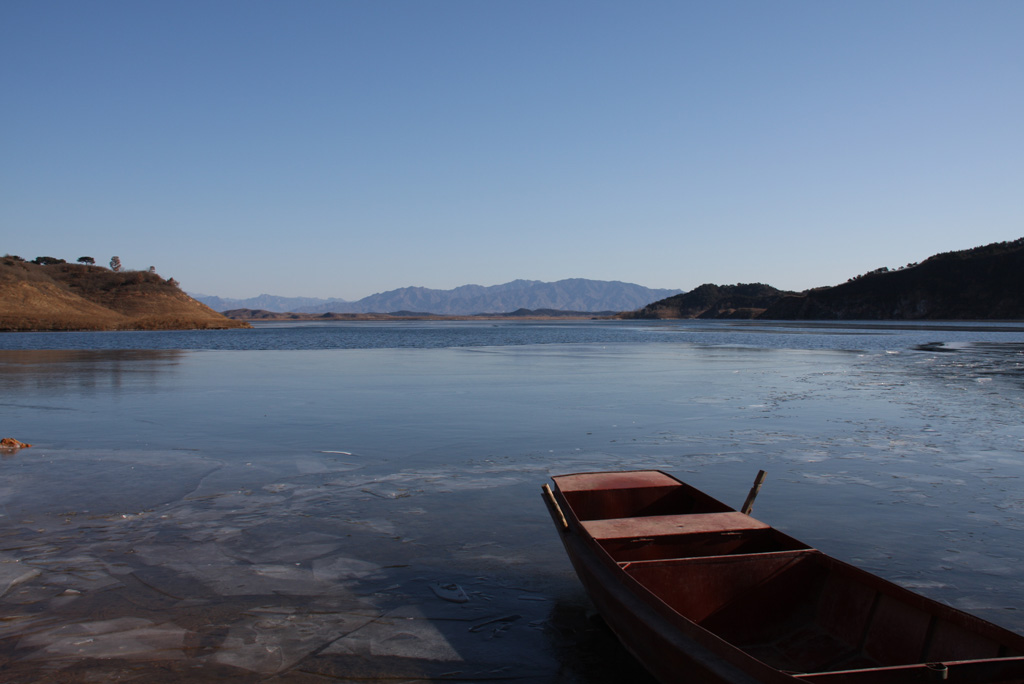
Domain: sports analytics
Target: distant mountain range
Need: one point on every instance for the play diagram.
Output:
(269, 303)
(574, 294)
(983, 283)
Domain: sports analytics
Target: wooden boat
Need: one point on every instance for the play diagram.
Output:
(700, 592)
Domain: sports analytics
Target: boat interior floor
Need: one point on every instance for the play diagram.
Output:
(795, 609)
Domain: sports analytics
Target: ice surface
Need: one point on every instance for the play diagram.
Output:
(402, 633)
(376, 513)
(13, 572)
(449, 591)
(272, 639)
(131, 638)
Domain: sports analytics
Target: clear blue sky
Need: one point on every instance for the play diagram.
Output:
(337, 149)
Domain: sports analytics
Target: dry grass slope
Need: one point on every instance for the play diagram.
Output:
(79, 297)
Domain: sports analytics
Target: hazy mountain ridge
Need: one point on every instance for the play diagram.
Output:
(265, 302)
(573, 294)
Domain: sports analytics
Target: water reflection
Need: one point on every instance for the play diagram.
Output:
(82, 371)
(853, 335)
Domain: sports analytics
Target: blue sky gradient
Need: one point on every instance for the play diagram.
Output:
(342, 148)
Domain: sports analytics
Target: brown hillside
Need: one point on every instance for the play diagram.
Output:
(78, 297)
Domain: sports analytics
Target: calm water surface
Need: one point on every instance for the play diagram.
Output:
(302, 502)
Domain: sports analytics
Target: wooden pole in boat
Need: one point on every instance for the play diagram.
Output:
(550, 496)
(748, 505)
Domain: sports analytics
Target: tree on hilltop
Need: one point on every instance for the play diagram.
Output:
(86, 260)
(115, 264)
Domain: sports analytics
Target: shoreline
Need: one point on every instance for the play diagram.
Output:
(256, 316)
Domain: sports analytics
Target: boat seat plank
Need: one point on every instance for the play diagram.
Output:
(590, 482)
(658, 525)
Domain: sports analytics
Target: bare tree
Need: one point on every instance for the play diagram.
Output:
(115, 263)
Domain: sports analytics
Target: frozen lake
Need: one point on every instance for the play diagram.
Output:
(357, 502)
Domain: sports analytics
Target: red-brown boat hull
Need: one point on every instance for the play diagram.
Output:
(700, 593)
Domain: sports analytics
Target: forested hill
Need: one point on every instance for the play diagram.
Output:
(984, 283)
(53, 295)
(713, 301)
